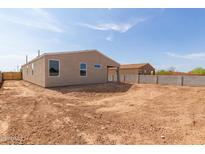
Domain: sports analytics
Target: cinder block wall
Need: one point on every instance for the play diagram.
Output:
(194, 81)
(150, 79)
(130, 78)
(163, 79)
(170, 80)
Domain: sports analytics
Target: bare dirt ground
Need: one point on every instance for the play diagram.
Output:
(101, 114)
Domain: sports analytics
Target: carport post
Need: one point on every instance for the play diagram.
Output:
(118, 74)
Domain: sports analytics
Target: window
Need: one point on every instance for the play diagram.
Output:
(32, 68)
(97, 66)
(54, 67)
(83, 69)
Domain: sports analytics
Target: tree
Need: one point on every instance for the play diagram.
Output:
(172, 69)
(169, 71)
(198, 70)
(163, 72)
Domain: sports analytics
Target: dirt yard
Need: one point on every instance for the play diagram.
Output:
(101, 114)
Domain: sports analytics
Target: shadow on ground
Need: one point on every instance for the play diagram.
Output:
(96, 88)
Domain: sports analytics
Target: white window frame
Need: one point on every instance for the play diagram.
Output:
(84, 69)
(98, 67)
(49, 67)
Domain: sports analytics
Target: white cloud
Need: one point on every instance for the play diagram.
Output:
(109, 38)
(191, 56)
(43, 13)
(119, 27)
(36, 18)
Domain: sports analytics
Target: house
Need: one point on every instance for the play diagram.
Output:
(1, 79)
(69, 68)
(131, 69)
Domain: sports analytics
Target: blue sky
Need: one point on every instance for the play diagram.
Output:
(163, 37)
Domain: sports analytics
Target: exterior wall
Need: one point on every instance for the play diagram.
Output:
(170, 80)
(194, 80)
(133, 71)
(147, 70)
(124, 73)
(70, 69)
(38, 76)
(130, 73)
(1, 79)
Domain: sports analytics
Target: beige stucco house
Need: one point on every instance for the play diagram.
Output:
(131, 69)
(69, 68)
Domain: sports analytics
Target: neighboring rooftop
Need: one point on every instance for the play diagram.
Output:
(125, 66)
(128, 66)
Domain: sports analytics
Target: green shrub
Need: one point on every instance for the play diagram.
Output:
(198, 70)
(164, 72)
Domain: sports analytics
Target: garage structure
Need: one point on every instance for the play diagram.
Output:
(69, 68)
(131, 69)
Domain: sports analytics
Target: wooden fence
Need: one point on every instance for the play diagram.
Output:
(12, 75)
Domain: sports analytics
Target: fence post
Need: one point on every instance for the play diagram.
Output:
(157, 79)
(138, 79)
(182, 80)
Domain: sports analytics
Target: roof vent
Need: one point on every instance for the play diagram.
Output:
(26, 59)
(39, 53)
